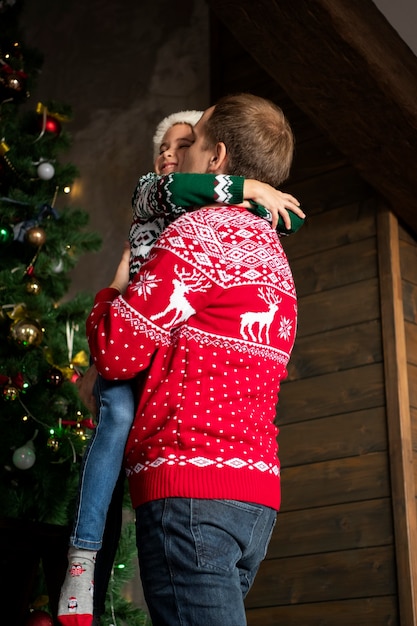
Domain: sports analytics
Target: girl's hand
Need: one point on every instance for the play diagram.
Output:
(85, 386)
(121, 278)
(277, 202)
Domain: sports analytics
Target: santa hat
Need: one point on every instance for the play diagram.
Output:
(182, 117)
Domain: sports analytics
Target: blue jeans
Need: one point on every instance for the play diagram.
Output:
(198, 558)
(102, 461)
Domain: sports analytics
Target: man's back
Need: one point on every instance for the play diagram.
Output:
(227, 325)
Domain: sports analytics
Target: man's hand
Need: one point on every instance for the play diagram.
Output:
(85, 386)
(121, 278)
(277, 202)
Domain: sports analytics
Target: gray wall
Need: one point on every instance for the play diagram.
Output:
(402, 15)
(122, 66)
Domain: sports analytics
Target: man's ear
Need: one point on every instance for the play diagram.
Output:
(218, 161)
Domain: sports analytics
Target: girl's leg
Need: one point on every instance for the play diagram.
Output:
(102, 462)
(99, 473)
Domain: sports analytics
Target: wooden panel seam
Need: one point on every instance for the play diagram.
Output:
(398, 414)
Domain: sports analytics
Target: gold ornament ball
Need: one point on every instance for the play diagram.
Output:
(10, 392)
(53, 444)
(13, 81)
(36, 236)
(54, 377)
(26, 333)
(33, 287)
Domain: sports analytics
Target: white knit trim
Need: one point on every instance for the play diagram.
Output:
(201, 462)
(182, 117)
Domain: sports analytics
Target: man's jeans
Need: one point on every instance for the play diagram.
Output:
(102, 461)
(198, 558)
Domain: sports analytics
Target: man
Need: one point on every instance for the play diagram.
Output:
(211, 318)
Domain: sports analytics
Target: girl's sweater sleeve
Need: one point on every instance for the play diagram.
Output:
(172, 195)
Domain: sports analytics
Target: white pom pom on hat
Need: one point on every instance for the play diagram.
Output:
(182, 117)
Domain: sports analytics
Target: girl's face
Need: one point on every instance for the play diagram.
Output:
(174, 144)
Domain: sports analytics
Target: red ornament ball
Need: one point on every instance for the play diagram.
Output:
(49, 125)
(39, 618)
(75, 376)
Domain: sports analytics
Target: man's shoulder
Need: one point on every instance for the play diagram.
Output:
(218, 214)
(223, 224)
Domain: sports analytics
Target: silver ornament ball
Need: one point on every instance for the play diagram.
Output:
(46, 171)
(24, 457)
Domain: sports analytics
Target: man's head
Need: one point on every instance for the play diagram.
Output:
(243, 135)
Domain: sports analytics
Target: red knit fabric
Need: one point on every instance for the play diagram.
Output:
(212, 315)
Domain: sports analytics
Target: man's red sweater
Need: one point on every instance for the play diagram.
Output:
(211, 317)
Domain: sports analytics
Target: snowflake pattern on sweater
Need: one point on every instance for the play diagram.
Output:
(211, 317)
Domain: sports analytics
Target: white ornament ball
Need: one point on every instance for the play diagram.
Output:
(24, 457)
(57, 266)
(46, 171)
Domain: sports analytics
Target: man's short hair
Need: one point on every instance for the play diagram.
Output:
(258, 138)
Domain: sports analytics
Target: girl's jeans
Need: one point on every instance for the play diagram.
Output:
(198, 558)
(102, 461)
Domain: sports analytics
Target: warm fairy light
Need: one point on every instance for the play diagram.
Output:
(67, 189)
(77, 191)
(25, 418)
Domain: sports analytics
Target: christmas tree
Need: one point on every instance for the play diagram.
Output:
(43, 349)
(44, 427)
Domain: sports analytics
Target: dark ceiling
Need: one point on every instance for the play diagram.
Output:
(345, 66)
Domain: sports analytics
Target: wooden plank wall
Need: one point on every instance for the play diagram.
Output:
(408, 260)
(332, 556)
(408, 267)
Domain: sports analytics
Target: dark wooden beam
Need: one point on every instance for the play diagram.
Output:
(350, 72)
(403, 482)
